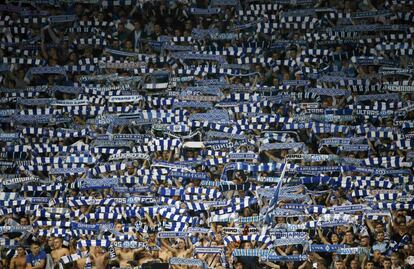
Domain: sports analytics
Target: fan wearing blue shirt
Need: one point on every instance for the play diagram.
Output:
(36, 259)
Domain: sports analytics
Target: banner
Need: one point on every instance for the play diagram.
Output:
(129, 244)
(242, 156)
(130, 156)
(19, 180)
(189, 175)
(125, 99)
(172, 235)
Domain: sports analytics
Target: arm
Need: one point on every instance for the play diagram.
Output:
(56, 195)
(190, 246)
(33, 219)
(289, 249)
(271, 265)
(255, 82)
(89, 209)
(165, 244)
(371, 146)
(273, 158)
(327, 150)
(52, 34)
(347, 258)
(40, 266)
(341, 102)
(317, 257)
(92, 253)
(370, 226)
(138, 250)
(328, 198)
(281, 251)
(67, 252)
(364, 261)
(214, 227)
(2, 219)
(389, 226)
(171, 157)
(149, 219)
(215, 262)
(323, 239)
(12, 263)
(133, 10)
(146, 164)
(306, 264)
(42, 46)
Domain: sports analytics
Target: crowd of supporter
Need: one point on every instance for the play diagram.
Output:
(207, 134)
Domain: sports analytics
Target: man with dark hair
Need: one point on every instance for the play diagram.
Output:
(380, 243)
(19, 261)
(370, 265)
(386, 263)
(36, 259)
(339, 264)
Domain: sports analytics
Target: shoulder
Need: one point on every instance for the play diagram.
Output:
(29, 257)
(42, 254)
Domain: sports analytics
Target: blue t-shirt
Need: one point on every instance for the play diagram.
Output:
(35, 260)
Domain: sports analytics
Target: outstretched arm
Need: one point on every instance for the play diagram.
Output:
(271, 265)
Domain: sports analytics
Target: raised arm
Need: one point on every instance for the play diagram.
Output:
(167, 245)
(150, 221)
(370, 226)
(322, 237)
(190, 246)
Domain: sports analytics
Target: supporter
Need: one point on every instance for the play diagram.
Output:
(395, 261)
(99, 258)
(37, 258)
(19, 260)
(58, 250)
(380, 244)
(386, 264)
